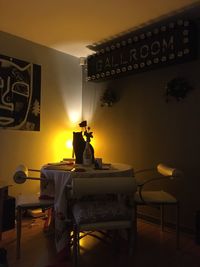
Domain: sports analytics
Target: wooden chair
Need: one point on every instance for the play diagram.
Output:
(102, 204)
(159, 198)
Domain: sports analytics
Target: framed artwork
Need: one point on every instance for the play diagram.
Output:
(20, 90)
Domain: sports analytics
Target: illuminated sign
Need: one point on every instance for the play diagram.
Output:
(142, 50)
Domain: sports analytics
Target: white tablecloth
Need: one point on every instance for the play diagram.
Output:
(58, 178)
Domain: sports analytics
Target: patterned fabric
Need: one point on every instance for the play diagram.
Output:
(60, 207)
(100, 211)
(55, 187)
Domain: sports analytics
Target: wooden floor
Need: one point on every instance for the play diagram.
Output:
(154, 249)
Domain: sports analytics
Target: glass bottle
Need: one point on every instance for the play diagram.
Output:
(87, 155)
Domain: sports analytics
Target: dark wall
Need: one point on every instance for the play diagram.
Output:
(142, 129)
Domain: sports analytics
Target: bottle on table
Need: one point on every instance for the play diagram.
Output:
(87, 155)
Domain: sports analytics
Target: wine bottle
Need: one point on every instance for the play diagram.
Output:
(87, 155)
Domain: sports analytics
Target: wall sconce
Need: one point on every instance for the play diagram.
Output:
(108, 98)
(177, 88)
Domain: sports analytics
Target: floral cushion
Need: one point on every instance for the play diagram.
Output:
(100, 211)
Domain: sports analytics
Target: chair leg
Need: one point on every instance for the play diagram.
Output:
(135, 229)
(69, 242)
(76, 247)
(132, 241)
(18, 228)
(162, 210)
(177, 226)
(115, 240)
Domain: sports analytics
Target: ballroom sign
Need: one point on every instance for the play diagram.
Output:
(144, 49)
(20, 83)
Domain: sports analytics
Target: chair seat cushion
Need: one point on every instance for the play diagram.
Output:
(32, 201)
(157, 197)
(100, 211)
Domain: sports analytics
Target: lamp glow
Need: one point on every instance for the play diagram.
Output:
(69, 144)
(74, 116)
(62, 145)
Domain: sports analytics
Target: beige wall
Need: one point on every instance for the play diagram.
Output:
(143, 130)
(61, 97)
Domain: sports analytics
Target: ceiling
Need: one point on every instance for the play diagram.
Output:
(70, 25)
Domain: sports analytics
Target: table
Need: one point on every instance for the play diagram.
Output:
(61, 175)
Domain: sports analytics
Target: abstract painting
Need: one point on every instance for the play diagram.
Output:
(20, 88)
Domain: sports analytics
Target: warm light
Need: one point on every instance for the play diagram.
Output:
(62, 145)
(69, 144)
(74, 116)
(87, 243)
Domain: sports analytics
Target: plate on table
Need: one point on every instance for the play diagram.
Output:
(58, 166)
(105, 166)
(78, 169)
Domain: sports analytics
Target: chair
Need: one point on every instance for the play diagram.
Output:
(25, 202)
(159, 198)
(102, 204)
